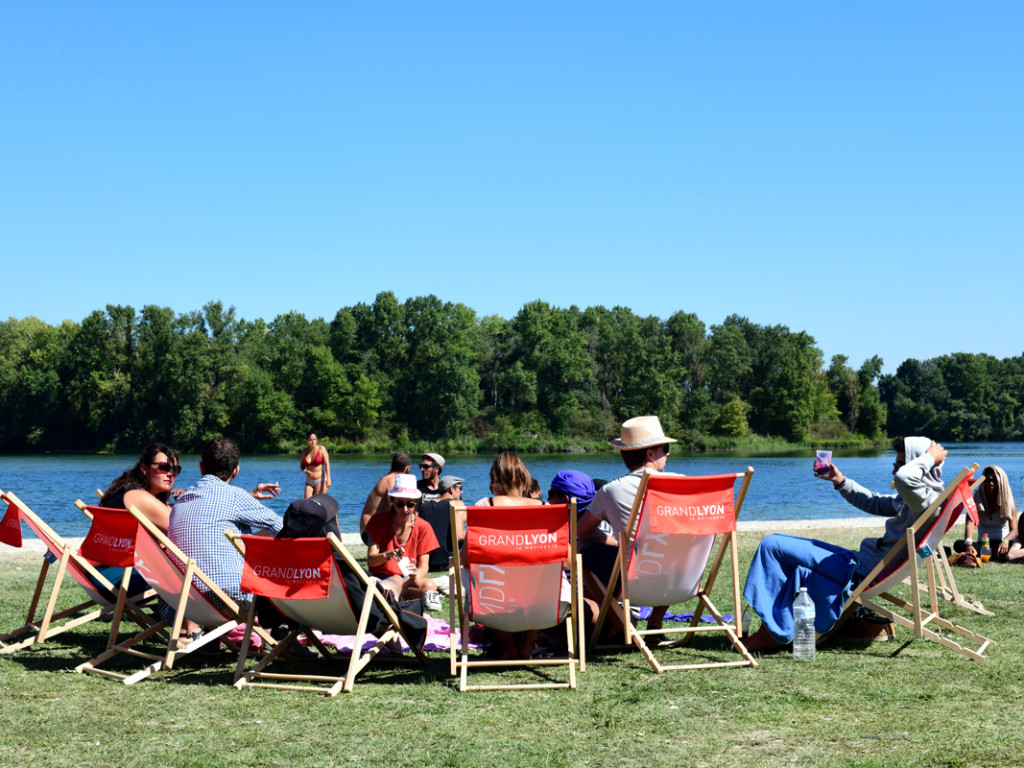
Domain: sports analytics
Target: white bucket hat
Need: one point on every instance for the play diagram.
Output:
(640, 432)
(405, 488)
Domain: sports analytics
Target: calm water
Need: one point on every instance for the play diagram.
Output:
(783, 488)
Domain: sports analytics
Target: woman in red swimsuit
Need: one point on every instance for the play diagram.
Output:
(317, 466)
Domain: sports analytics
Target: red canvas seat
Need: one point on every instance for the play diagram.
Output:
(513, 563)
(663, 556)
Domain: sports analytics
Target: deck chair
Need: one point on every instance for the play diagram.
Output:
(303, 580)
(923, 539)
(105, 599)
(675, 520)
(945, 584)
(514, 559)
(173, 575)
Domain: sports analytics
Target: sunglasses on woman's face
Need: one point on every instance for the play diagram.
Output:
(166, 468)
(403, 503)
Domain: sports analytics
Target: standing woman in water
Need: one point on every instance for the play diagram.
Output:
(317, 466)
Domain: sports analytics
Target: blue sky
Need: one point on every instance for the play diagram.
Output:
(851, 170)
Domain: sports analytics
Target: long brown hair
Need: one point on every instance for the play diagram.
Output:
(509, 476)
(135, 478)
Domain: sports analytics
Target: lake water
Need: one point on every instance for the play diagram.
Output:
(783, 487)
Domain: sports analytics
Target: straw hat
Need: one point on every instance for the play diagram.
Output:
(405, 488)
(640, 432)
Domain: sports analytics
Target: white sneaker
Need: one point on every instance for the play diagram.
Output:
(432, 601)
(442, 584)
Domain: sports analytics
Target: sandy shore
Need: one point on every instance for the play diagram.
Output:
(762, 526)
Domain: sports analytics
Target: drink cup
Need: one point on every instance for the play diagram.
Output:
(822, 461)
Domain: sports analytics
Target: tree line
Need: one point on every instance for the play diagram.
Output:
(389, 372)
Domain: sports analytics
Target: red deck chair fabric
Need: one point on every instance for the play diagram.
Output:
(515, 568)
(675, 521)
(510, 578)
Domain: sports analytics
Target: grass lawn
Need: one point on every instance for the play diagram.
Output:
(903, 703)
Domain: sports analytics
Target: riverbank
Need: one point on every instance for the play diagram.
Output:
(35, 546)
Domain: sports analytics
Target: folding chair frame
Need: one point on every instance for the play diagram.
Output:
(460, 663)
(358, 659)
(870, 594)
(733, 630)
(54, 622)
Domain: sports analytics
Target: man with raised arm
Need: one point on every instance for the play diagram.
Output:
(211, 506)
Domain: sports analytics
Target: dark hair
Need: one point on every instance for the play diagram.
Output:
(220, 457)
(310, 433)
(509, 476)
(899, 445)
(135, 478)
(400, 462)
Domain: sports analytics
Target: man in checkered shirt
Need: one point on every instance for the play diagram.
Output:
(203, 512)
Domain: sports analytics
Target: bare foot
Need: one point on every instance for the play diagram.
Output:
(762, 641)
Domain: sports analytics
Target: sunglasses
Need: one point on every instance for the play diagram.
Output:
(427, 466)
(167, 468)
(400, 503)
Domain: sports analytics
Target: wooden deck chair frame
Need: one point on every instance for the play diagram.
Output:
(876, 595)
(945, 583)
(69, 562)
(733, 630)
(323, 614)
(460, 662)
(172, 574)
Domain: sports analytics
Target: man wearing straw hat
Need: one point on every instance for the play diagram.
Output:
(642, 445)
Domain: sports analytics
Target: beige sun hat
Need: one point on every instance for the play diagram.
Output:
(640, 432)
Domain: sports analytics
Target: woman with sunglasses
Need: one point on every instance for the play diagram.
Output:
(400, 545)
(147, 485)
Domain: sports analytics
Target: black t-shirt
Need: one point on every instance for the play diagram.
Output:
(438, 514)
(428, 495)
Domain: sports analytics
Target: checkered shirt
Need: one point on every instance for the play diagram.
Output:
(198, 521)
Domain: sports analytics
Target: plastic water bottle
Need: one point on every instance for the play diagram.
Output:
(803, 627)
(986, 549)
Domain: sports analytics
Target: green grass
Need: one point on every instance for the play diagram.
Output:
(903, 703)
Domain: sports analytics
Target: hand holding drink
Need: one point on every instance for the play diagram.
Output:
(822, 462)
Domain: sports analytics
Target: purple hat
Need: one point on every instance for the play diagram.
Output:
(573, 483)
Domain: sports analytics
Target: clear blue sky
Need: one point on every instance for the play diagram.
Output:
(853, 170)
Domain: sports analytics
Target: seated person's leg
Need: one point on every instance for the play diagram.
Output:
(598, 561)
(417, 586)
(392, 584)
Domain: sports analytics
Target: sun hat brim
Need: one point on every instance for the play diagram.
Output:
(648, 443)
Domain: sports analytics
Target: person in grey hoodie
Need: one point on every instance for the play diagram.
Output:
(783, 564)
